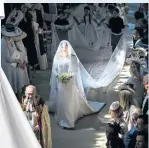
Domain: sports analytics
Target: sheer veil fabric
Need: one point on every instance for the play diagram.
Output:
(70, 103)
(15, 131)
(113, 67)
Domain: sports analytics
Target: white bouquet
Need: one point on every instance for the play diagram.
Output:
(65, 77)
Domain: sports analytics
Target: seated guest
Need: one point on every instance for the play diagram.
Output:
(142, 140)
(116, 25)
(129, 134)
(37, 114)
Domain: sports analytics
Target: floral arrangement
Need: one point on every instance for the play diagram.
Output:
(65, 77)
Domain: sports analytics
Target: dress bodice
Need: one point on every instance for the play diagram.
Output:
(63, 65)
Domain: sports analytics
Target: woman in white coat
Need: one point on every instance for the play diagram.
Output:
(9, 55)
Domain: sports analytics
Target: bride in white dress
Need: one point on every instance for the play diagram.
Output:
(68, 100)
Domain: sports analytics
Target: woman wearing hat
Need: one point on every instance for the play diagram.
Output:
(116, 112)
(13, 57)
(10, 56)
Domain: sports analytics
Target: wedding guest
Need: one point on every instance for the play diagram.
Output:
(136, 80)
(138, 17)
(116, 113)
(142, 126)
(128, 136)
(112, 134)
(145, 101)
(37, 114)
(138, 35)
(10, 58)
(142, 140)
(29, 42)
(22, 74)
(145, 10)
(127, 102)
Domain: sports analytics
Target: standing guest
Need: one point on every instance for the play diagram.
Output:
(22, 74)
(10, 56)
(145, 101)
(112, 134)
(138, 17)
(37, 114)
(127, 102)
(116, 25)
(15, 18)
(50, 12)
(116, 113)
(136, 80)
(37, 13)
(30, 41)
(142, 126)
(145, 10)
(138, 35)
(129, 134)
(144, 25)
(142, 140)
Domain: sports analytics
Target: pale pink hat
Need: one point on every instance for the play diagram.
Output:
(114, 106)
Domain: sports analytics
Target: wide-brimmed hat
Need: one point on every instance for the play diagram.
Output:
(21, 37)
(15, 17)
(10, 30)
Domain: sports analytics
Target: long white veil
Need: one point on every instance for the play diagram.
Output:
(110, 72)
(113, 68)
(15, 131)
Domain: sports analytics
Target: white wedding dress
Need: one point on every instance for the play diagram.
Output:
(69, 101)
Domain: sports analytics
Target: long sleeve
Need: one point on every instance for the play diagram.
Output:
(5, 53)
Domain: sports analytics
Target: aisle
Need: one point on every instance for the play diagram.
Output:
(90, 132)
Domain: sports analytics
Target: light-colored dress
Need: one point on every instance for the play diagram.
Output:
(7, 62)
(90, 31)
(103, 32)
(69, 101)
(22, 74)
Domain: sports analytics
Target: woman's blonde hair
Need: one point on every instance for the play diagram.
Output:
(126, 99)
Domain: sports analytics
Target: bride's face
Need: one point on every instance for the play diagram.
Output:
(64, 53)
